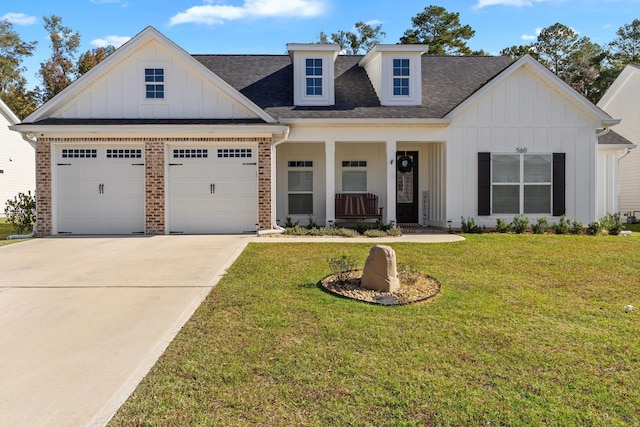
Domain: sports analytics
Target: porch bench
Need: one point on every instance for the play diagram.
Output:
(357, 207)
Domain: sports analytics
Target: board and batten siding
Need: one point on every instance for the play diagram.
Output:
(189, 94)
(623, 104)
(521, 112)
(17, 164)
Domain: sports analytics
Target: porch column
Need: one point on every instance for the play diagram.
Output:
(390, 207)
(330, 181)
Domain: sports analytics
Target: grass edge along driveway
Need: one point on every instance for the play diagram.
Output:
(527, 330)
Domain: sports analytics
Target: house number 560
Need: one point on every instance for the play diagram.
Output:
(521, 150)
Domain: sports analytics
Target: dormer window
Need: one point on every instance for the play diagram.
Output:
(401, 77)
(313, 76)
(154, 83)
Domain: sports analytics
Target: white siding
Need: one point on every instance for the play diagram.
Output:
(522, 111)
(121, 93)
(17, 164)
(623, 104)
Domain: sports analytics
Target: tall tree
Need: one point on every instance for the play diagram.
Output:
(441, 30)
(516, 52)
(625, 48)
(93, 57)
(13, 90)
(59, 71)
(352, 43)
(583, 68)
(553, 48)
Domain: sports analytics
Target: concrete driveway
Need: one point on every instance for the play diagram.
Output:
(82, 320)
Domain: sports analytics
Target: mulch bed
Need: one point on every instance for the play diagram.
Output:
(347, 285)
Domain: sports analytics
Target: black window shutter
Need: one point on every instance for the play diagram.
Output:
(559, 206)
(484, 183)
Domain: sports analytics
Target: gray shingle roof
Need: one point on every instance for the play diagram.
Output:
(613, 138)
(268, 81)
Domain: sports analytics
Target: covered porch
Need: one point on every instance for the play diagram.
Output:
(406, 177)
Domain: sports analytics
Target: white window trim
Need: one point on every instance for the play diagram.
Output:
(312, 192)
(522, 184)
(353, 169)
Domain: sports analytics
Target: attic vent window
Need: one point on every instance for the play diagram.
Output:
(313, 76)
(400, 77)
(154, 82)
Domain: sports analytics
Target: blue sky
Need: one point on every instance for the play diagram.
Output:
(266, 26)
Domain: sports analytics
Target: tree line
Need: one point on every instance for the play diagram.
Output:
(587, 67)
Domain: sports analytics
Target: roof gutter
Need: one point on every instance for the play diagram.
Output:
(378, 122)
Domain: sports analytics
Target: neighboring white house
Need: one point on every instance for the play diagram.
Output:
(154, 140)
(621, 100)
(17, 160)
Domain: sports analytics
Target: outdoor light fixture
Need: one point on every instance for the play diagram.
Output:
(449, 224)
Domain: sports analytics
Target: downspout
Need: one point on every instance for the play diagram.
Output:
(603, 132)
(24, 236)
(276, 228)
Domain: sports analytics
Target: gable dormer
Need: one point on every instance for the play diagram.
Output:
(395, 71)
(313, 73)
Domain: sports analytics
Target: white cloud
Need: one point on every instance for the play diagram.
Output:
(528, 37)
(115, 41)
(211, 14)
(19, 18)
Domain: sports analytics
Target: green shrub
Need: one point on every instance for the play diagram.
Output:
(341, 265)
(593, 228)
(312, 224)
(519, 224)
(343, 232)
(296, 230)
(469, 226)
(576, 227)
(540, 226)
(290, 224)
(375, 233)
(21, 212)
(612, 223)
(361, 227)
(562, 226)
(502, 226)
(394, 232)
(408, 273)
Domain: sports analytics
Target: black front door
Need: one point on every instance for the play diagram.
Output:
(407, 186)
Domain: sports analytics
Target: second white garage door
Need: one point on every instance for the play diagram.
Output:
(212, 190)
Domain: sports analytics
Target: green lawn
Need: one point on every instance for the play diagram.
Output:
(527, 330)
(7, 230)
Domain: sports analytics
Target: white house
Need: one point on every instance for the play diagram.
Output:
(17, 160)
(621, 100)
(154, 140)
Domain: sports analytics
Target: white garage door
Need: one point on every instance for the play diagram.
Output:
(213, 190)
(100, 190)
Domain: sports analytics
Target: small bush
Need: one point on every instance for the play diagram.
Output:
(343, 232)
(21, 212)
(611, 223)
(502, 226)
(408, 273)
(576, 227)
(562, 226)
(385, 227)
(540, 226)
(375, 233)
(469, 226)
(296, 230)
(361, 227)
(312, 224)
(290, 224)
(519, 224)
(394, 232)
(593, 228)
(341, 265)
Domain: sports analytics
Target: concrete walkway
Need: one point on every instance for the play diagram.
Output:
(82, 320)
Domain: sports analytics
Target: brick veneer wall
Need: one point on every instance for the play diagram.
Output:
(154, 178)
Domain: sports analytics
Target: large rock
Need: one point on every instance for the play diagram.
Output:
(380, 271)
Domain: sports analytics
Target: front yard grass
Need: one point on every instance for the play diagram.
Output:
(7, 230)
(527, 330)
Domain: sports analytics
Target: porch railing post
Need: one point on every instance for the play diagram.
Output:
(390, 206)
(330, 177)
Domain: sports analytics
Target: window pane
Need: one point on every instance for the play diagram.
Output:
(354, 181)
(506, 199)
(301, 204)
(537, 168)
(505, 168)
(537, 199)
(300, 180)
